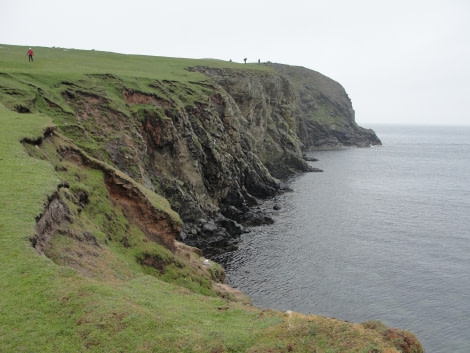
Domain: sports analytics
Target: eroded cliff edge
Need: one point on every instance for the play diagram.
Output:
(212, 146)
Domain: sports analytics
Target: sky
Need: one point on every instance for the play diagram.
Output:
(400, 61)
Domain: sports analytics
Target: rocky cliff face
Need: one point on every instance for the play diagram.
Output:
(266, 102)
(213, 148)
(325, 116)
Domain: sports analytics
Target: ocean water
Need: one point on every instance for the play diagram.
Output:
(383, 233)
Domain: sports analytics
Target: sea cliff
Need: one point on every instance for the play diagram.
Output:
(146, 154)
(213, 145)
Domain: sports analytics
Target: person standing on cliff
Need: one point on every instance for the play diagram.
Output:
(30, 54)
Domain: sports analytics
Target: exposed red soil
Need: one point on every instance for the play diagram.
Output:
(133, 97)
(156, 225)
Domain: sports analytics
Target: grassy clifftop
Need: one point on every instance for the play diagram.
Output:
(82, 270)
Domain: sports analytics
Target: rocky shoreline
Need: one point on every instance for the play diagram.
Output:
(294, 101)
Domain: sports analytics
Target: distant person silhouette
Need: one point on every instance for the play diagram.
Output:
(30, 54)
(245, 60)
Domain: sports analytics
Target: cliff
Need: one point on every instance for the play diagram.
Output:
(325, 116)
(213, 145)
(121, 157)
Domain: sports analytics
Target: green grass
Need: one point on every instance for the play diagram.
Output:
(46, 307)
(83, 298)
(61, 61)
(22, 176)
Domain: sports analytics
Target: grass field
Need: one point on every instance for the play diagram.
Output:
(47, 305)
(61, 61)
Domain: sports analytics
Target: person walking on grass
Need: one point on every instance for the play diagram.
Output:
(30, 54)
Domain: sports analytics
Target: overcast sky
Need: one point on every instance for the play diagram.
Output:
(400, 61)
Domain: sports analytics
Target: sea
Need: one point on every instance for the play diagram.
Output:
(383, 233)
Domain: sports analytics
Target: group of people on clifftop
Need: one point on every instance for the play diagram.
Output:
(259, 61)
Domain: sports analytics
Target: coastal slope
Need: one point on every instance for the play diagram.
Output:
(113, 166)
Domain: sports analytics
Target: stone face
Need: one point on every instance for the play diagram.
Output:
(264, 103)
(325, 116)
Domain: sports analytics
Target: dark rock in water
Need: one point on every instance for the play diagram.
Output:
(213, 236)
(277, 207)
(233, 227)
(310, 159)
(257, 218)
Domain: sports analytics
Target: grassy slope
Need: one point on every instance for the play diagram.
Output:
(45, 307)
